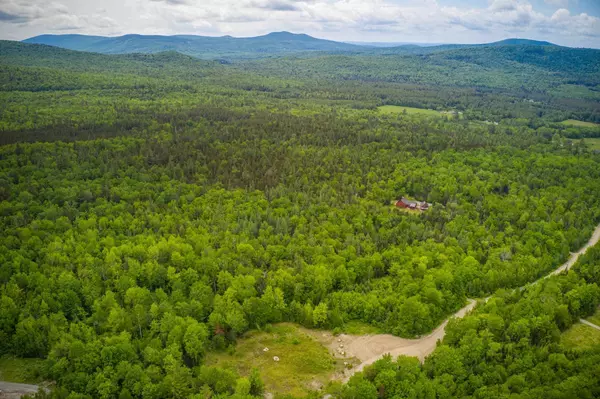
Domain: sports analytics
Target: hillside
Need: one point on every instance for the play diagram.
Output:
(275, 43)
(497, 65)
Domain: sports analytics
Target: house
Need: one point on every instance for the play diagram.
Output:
(403, 202)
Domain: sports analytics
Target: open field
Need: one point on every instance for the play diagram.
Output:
(25, 371)
(580, 336)
(394, 109)
(304, 364)
(573, 122)
(594, 143)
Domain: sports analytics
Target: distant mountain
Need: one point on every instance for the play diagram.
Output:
(521, 42)
(276, 43)
(406, 49)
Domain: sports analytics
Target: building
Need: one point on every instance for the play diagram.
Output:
(403, 202)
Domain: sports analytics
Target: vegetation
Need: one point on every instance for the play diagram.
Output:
(573, 122)
(21, 370)
(581, 336)
(593, 143)
(156, 208)
(303, 363)
(394, 109)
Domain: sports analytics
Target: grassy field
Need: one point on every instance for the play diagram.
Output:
(394, 109)
(580, 336)
(595, 318)
(573, 122)
(304, 364)
(594, 143)
(25, 371)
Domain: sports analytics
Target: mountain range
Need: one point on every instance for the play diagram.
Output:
(227, 47)
(275, 43)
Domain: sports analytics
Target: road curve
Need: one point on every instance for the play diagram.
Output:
(575, 255)
(420, 347)
(370, 348)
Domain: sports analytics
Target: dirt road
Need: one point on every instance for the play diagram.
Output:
(575, 255)
(11, 390)
(367, 349)
(370, 348)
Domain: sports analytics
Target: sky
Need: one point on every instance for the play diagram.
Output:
(566, 22)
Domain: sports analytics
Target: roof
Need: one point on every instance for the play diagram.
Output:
(408, 202)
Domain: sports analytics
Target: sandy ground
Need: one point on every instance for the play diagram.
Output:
(11, 390)
(361, 351)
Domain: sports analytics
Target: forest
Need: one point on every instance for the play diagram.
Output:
(154, 208)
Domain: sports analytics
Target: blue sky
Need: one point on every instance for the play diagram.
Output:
(565, 22)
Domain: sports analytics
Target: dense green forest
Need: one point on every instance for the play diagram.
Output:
(156, 207)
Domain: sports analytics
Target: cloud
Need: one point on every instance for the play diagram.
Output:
(173, 2)
(5, 16)
(276, 5)
(582, 24)
(503, 5)
(23, 11)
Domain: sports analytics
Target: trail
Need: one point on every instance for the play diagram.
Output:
(370, 348)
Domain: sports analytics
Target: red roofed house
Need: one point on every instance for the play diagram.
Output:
(410, 204)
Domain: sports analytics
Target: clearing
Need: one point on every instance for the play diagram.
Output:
(304, 364)
(580, 336)
(594, 143)
(395, 109)
(17, 376)
(363, 350)
(26, 371)
(574, 122)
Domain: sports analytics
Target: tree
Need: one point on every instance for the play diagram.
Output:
(320, 314)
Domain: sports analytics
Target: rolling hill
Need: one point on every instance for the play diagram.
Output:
(507, 66)
(276, 43)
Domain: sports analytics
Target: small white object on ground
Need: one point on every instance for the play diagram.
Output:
(266, 350)
(276, 358)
